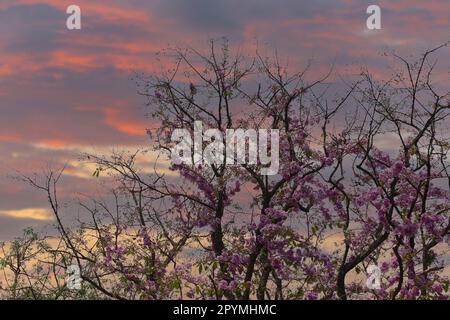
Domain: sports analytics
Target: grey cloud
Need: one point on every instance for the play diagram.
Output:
(30, 28)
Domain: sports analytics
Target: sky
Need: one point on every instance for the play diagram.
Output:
(64, 92)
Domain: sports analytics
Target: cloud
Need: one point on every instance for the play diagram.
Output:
(30, 213)
(62, 92)
(117, 118)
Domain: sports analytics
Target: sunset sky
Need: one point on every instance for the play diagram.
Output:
(64, 92)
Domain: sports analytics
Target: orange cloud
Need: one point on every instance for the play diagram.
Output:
(31, 213)
(10, 137)
(65, 59)
(116, 118)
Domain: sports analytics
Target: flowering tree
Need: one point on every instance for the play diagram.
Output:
(363, 180)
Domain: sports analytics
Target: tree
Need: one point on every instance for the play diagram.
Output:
(228, 231)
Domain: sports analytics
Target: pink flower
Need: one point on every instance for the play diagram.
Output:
(311, 296)
(397, 168)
